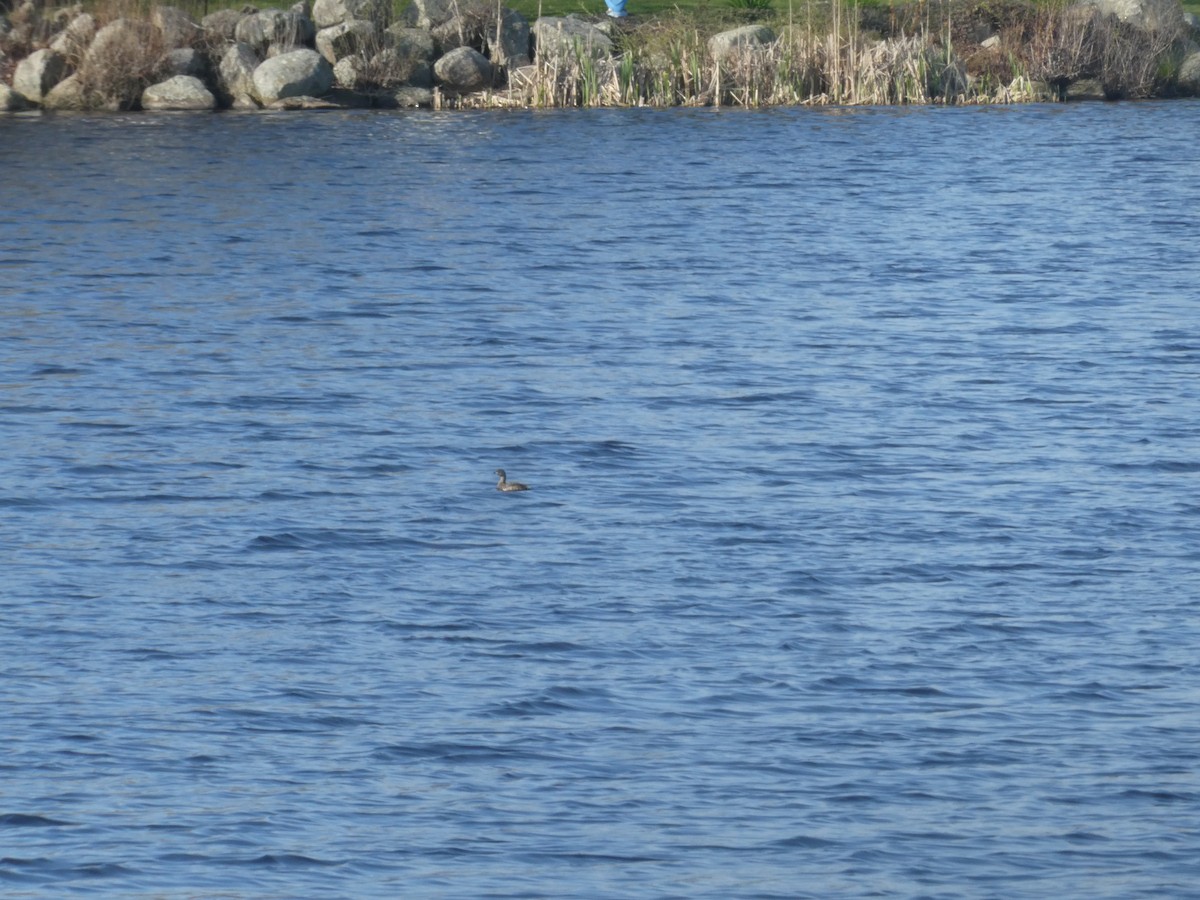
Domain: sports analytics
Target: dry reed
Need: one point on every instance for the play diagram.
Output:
(831, 58)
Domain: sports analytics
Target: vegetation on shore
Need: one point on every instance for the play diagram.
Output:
(813, 52)
(875, 53)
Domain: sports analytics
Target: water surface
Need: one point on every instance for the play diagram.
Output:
(861, 555)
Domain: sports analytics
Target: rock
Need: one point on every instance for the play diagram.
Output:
(73, 40)
(559, 36)
(408, 98)
(1085, 89)
(1189, 73)
(303, 102)
(37, 73)
(393, 66)
(293, 28)
(1191, 22)
(459, 31)
(345, 98)
(10, 100)
(281, 29)
(68, 94)
(187, 61)
(178, 28)
(510, 48)
(327, 13)
(235, 74)
(1149, 15)
(991, 42)
(728, 43)
(252, 28)
(183, 92)
(345, 72)
(431, 13)
(464, 70)
(222, 23)
(416, 43)
(296, 74)
(348, 38)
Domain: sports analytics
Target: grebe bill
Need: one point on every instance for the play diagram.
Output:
(505, 485)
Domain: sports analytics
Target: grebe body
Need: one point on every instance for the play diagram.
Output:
(505, 485)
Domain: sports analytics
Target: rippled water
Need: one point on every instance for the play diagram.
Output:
(862, 555)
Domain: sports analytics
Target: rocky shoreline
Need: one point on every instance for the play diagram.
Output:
(440, 53)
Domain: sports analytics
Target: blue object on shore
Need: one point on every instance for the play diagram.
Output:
(616, 8)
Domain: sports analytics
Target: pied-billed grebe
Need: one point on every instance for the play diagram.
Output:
(506, 485)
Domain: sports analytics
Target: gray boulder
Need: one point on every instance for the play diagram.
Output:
(1149, 15)
(10, 100)
(222, 23)
(178, 28)
(412, 42)
(431, 13)
(293, 28)
(349, 38)
(251, 30)
(304, 102)
(235, 74)
(401, 65)
(327, 13)
(37, 73)
(346, 72)
(560, 36)
(275, 27)
(1189, 73)
(407, 98)
(459, 31)
(1085, 89)
(68, 94)
(724, 46)
(187, 61)
(296, 74)
(464, 70)
(183, 92)
(73, 40)
(509, 46)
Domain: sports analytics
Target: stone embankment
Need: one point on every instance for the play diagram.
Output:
(346, 53)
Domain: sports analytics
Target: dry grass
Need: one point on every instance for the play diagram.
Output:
(830, 56)
(673, 67)
(126, 57)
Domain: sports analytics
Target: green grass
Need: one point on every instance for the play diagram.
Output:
(703, 10)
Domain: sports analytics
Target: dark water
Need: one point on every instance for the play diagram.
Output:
(862, 556)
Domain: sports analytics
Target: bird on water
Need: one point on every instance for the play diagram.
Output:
(505, 485)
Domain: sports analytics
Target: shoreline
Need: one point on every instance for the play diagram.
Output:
(342, 54)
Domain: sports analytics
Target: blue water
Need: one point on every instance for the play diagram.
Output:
(862, 555)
